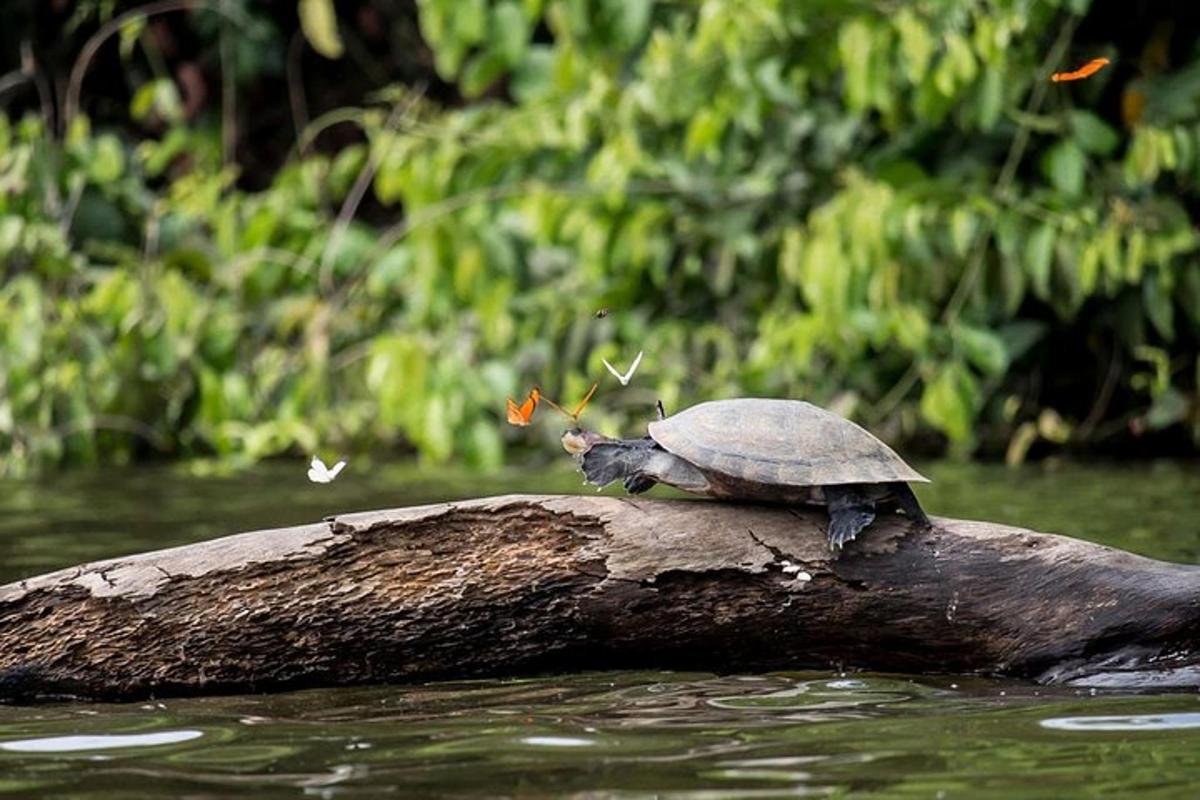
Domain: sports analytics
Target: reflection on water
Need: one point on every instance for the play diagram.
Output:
(76, 744)
(624, 734)
(1132, 722)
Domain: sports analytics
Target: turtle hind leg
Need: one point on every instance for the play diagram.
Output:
(906, 501)
(849, 512)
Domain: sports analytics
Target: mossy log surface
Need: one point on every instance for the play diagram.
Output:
(526, 584)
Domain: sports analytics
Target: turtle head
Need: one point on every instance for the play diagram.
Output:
(577, 441)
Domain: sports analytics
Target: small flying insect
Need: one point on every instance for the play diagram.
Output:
(1088, 69)
(521, 415)
(628, 376)
(601, 313)
(319, 473)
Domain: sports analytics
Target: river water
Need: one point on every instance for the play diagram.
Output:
(610, 734)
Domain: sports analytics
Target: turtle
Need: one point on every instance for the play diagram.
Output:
(763, 450)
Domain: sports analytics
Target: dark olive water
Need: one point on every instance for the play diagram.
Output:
(626, 734)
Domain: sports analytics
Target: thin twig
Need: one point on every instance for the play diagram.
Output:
(361, 184)
(295, 83)
(1003, 185)
(11, 80)
(1008, 173)
(311, 130)
(29, 73)
(96, 40)
(1104, 397)
(229, 130)
(67, 213)
(45, 95)
(112, 422)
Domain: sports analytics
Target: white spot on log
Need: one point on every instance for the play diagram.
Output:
(952, 607)
(799, 575)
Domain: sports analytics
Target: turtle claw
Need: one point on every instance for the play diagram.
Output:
(846, 522)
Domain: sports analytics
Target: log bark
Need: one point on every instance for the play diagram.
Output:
(526, 584)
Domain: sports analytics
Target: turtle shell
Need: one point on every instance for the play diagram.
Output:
(779, 442)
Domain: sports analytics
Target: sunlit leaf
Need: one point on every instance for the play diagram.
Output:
(949, 401)
(982, 348)
(319, 23)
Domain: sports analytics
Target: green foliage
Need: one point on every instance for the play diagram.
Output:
(319, 23)
(787, 199)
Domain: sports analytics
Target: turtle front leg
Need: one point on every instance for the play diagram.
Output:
(636, 484)
(850, 510)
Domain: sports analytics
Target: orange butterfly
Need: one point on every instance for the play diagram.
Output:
(574, 415)
(522, 414)
(1090, 68)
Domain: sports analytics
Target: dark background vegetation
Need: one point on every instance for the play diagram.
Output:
(241, 229)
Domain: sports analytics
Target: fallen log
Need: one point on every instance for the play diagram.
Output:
(524, 584)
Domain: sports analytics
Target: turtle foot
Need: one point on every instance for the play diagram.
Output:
(847, 522)
(636, 484)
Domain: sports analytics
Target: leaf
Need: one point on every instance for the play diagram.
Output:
(1018, 446)
(159, 96)
(1093, 134)
(1189, 292)
(1159, 308)
(1065, 165)
(1141, 159)
(854, 49)
(1088, 267)
(991, 98)
(510, 33)
(963, 225)
(948, 402)
(1039, 253)
(1020, 336)
(319, 23)
(480, 73)
(130, 32)
(108, 160)
(982, 348)
(534, 76)
(1052, 427)
(631, 19)
(704, 133)
(1169, 407)
(916, 45)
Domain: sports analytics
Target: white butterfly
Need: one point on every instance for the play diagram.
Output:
(628, 376)
(319, 473)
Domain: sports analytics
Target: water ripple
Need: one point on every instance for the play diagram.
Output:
(75, 744)
(1127, 722)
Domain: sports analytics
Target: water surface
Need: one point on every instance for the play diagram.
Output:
(617, 734)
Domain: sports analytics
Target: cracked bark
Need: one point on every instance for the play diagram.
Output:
(523, 584)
